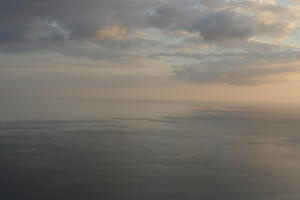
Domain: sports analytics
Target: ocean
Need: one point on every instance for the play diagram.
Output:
(78, 149)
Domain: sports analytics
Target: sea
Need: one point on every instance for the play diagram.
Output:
(91, 149)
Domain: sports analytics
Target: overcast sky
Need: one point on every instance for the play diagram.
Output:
(220, 50)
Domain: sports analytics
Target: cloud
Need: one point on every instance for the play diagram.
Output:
(52, 22)
(124, 32)
(225, 25)
(219, 21)
(248, 68)
(65, 21)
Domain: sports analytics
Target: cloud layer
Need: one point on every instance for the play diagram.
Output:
(218, 41)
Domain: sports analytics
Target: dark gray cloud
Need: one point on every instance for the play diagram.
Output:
(43, 24)
(50, 22)
(81, 18)
(228, 25)
(225, 25)
(175, 16)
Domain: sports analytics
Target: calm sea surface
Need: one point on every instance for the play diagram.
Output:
(66, 149)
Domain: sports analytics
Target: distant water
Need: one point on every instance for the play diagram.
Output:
(103, 150)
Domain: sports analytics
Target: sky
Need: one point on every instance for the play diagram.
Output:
(191, 50)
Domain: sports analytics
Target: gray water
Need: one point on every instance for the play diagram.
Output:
(112, 150)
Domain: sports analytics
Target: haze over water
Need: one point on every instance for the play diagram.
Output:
(125, 150)
(62, 137)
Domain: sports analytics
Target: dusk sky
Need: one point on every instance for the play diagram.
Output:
(198, 50)
(150, 99)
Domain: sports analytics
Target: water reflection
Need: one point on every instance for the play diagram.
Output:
(205, 152)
